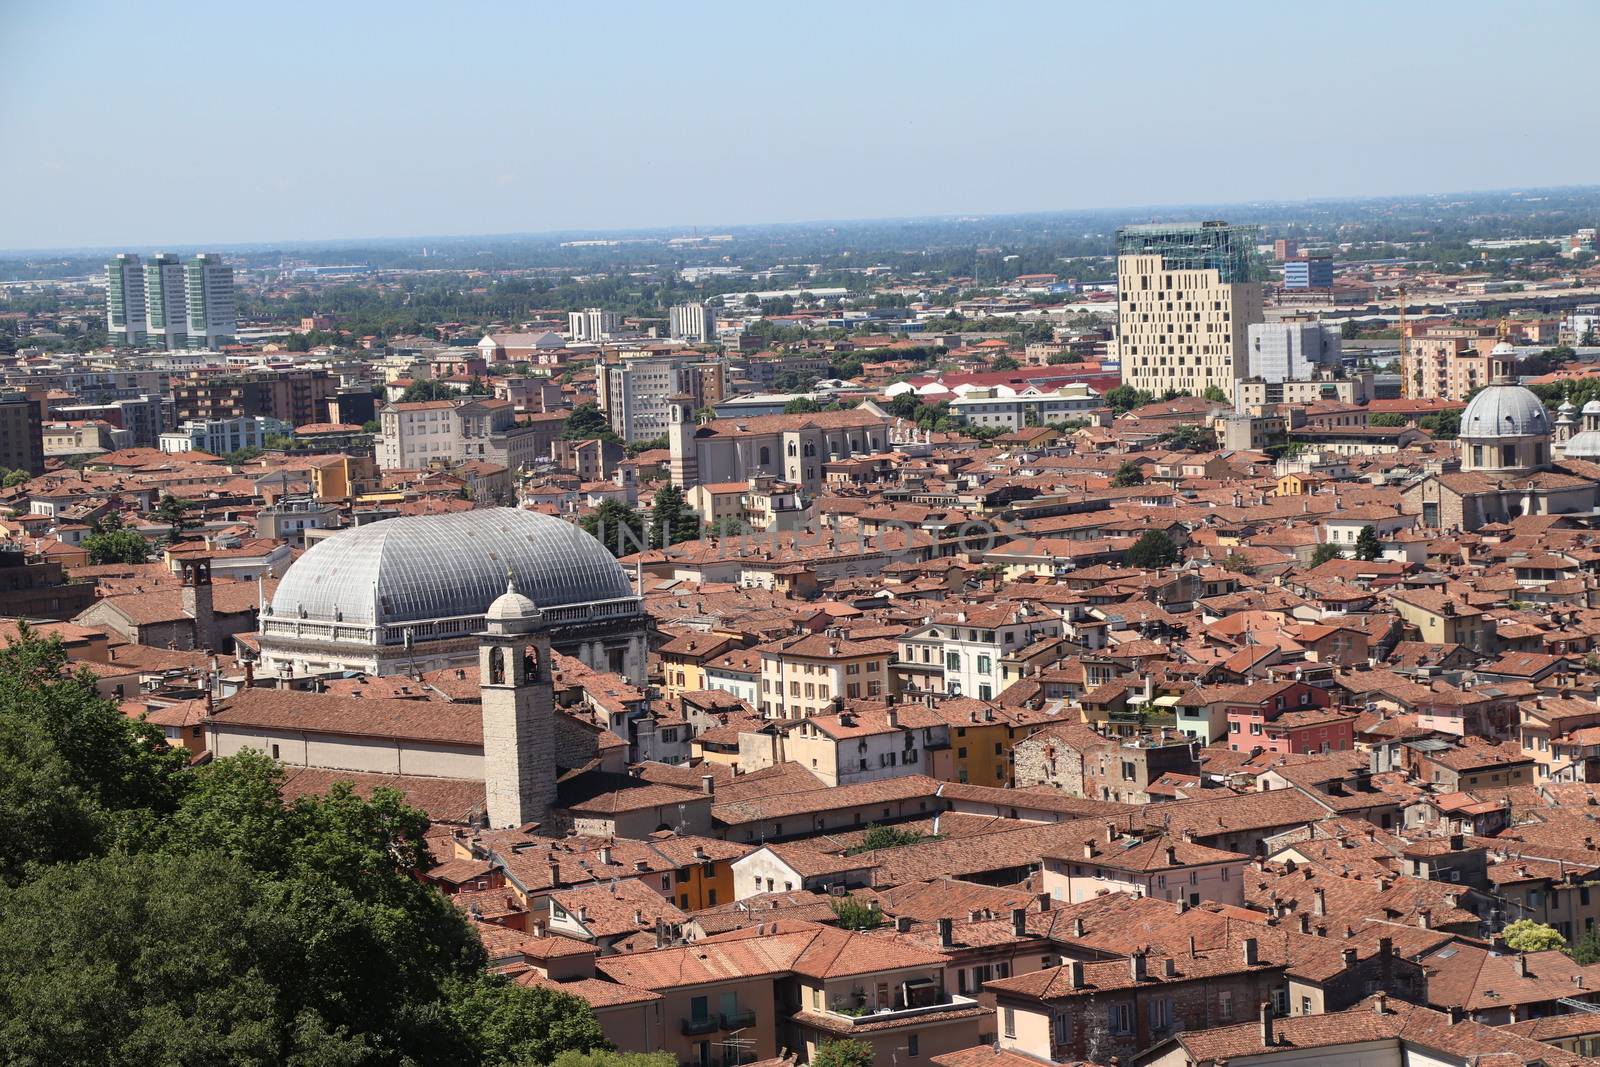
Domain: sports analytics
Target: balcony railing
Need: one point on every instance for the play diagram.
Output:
(701, 1026)
(738, 1020)
(954, 1002)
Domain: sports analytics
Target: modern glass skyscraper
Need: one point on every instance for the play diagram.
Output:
(125, 305)
(208, 283)
(166, 300)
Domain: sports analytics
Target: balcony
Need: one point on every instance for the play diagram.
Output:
(954, 1002)
(707, 1025)
(738, 1020)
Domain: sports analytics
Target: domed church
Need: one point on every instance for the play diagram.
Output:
(1513, 460)
(409, 594)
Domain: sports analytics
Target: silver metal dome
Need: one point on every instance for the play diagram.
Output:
(447, 566)
(1585, 445)
(1504, 411)
(1592, 408)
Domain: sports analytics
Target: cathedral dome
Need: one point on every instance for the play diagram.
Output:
(1502, 411)
(1585, 445)
(437, 567)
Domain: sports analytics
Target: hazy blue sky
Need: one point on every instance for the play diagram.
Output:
(145, 123)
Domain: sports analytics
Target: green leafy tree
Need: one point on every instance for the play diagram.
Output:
(728, 526)
(116, 546)
(1526, 935)
(1125, 398)
(802, 405)
(1190, 438)
(1153, 549)
(854, 914)
(843, 1052)
(76, 775)
(586, 423)
(888, 837)
(1368, 547)
(617, 526)
(1386, 418)
(372, 426)
(1445, 425)
(16, 478)
(672, 520)
(515, 1026)
(1214, 394)
(427, 389)
(614, 1059)
(1325, 552)
(174, 513)
(1586, 949)
(1128, 474)
(1005, 362)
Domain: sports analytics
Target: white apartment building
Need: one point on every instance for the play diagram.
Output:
(221, 436)
(1013, 409)
(635, 390)
(426, 432)
(208, 290)
(694, 323)
(418, 433)
(592, 324)
(125, 305)
(851, 747)
(1186, 296)
(958, 653)
(166, 301)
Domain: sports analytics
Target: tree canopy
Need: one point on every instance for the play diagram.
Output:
(150, 913)
(843, 1052)
(1153, 549)
(1368, 547)
(1528, 935)
(587, 422)
(1127, 475)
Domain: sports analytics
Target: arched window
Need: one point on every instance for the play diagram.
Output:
(811, 449)
(530, 665)
(766, 455)
(497, 666)
(792, 451)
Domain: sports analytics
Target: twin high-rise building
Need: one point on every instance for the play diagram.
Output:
(695, 323)
(168, 302)
(1186, 296)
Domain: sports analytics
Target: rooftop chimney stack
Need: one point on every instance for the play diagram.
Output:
(1251, 956)
(1266, 1024)
(1019, 921)
(947, 936)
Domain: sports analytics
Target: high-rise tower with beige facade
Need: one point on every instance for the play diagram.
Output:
(1186, 296)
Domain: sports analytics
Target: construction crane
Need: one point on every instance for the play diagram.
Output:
(1405, 349)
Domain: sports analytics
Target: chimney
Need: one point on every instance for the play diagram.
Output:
(1425, 918)
(605, 855)
(1181, 904)
(1088, 850)
(1250, 955)
(555, 871)
(1349, 957)
(1320, 896)
(902, 924)
(1172, 856)
(1577, 980)
(1075, 974)
(1169, 967)
(1380, 1003)
(1019, 921)
(638, 917)
(1044, 901)
(947, 932)
(1077, 927)
(1521, 964)
(893, 715)
(1266, 1024)
(1385, 959)
(1305, 923)
(708, 785)
(1136, 966)
(1111, 832)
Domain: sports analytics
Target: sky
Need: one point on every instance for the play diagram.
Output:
(151, 123)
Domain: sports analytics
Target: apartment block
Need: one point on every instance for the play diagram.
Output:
(1186, 296)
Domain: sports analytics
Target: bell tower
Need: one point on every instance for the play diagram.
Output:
(685, 466)
(518, 695)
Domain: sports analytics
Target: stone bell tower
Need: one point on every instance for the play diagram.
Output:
(515, 685)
